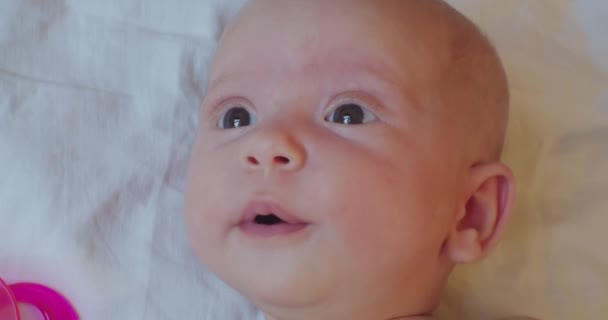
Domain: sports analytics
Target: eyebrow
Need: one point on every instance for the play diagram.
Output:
(378, 72)
(370, 64)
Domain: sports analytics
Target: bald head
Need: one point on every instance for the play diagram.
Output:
(448, 67)
(387, 107)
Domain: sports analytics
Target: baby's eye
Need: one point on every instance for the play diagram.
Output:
(350, 114)
(235, 117)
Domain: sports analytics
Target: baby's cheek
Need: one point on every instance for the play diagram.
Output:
(374, 219)
(201, 209)
(197, 222)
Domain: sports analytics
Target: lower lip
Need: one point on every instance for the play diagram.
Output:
(266, 231)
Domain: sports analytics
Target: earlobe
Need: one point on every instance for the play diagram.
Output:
(484, 215)
(464, 246)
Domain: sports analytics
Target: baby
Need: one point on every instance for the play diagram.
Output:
(348, 157)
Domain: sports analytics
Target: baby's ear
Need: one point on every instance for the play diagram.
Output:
(482, 220)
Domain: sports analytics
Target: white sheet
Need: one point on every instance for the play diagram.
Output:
(97, 113)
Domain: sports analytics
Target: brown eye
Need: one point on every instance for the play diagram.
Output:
(236, 117)
(350, 114)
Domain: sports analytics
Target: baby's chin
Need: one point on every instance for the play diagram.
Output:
(285, 293)
(285, 283)
(291, 296)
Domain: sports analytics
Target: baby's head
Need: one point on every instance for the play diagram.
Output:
(348, 156)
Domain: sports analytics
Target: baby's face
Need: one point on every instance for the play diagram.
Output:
(321, 175)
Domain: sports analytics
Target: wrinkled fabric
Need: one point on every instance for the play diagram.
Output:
(98, 110)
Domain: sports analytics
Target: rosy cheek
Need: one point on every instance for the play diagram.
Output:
(204, 236)
(200, 196)
(351, 215)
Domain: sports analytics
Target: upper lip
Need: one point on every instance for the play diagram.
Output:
(262, 207)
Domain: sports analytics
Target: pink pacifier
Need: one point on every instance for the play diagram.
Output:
(50, 304)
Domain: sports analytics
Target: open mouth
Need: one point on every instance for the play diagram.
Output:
(265, 219)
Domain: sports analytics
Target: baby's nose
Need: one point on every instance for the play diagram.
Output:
(273, 149)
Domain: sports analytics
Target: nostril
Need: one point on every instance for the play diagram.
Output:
(253, 160)
(281, 160)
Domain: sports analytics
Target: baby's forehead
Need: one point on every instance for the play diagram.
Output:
(298, 59)
(264, 41)
(413, 40)
(327, 19)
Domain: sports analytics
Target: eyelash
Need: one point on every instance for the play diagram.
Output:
(219, 112)
(345, 102)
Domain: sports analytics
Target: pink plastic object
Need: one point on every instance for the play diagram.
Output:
(8, 303)
(51, 304)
